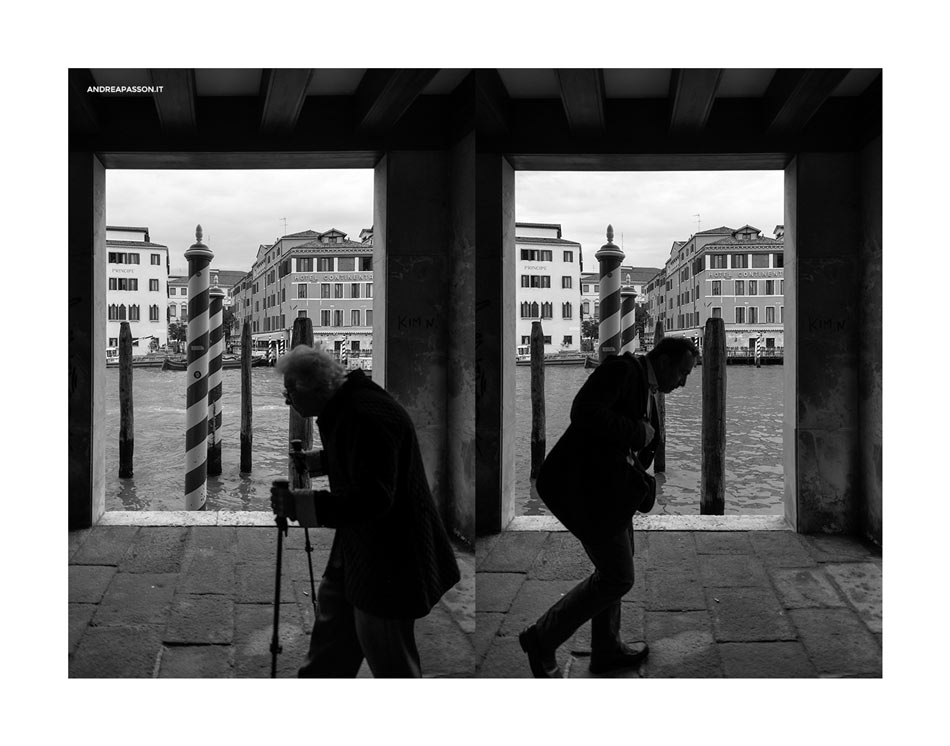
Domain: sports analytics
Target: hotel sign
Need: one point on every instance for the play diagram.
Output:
(334, 277)
(744, 273)
(536, 267)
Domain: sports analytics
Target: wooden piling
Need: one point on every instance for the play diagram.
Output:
(301, 428)
(126, 419)
(659, 458)
(537, 399)
(247, 438)
(712, 491)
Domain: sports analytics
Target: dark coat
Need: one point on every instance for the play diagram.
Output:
(397, 560)
(585, 478)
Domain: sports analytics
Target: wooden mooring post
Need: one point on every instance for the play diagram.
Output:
(712, 492)
(126, 419)
(301, 428)
(538, 444)
(659, 458)
(247, 438)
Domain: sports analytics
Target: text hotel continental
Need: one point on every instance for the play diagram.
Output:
(125, 89)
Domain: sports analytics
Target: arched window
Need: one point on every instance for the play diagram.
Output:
(122, 312)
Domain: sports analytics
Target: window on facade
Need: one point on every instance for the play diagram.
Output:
(324, 264)
(567, 281)
(740, 261)
(770, 287)
(568, 339)
(302, 314)
(355, 290)
(156, 260)
(770, 314)
(753, 287)
(305, 264)
(172, 291)
(778, 260)
(302, 290)
(134, 313)
(740, 315)
(547, 339)
(717, 312)
(338, 317)
(567, 312)
(345, 263)
(369, 290)
(153, 313)
(753, 315)
(366, 264)
(760, 261)
(781, 287)
(717, 261)
(153, 285)
(325, 318)
(338, 290)
(324, 289)
(369, 317)
(184, 291)
(547, 310)
(184, 312)
(740, 287)
(585, 289)
(525, 281)
(781, 314)
(355, 317)
(173, 311)
(568, 256)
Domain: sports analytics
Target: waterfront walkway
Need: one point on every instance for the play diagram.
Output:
(745, 600)
(196, 599)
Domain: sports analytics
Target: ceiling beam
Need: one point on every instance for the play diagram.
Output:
(692, 92)
(492, 104)
(383, 96)
(83, 116)
(176, 101)
(794, 96)
(582, 94)
(282, 95)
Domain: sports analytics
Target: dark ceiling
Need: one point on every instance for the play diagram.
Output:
(539, 118)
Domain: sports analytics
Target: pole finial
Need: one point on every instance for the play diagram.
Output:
(610, 234)
(198, 233)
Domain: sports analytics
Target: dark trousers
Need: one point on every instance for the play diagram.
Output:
(343, 636)
(597, 598)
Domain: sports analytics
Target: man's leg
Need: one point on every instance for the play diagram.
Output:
(605, 625)
(389, 646)
(334, 647)
(612, 578)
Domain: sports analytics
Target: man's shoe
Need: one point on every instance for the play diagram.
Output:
(627, 656)
(543, 664)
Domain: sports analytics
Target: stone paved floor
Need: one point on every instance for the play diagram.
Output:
(737, 604)
(162, 601)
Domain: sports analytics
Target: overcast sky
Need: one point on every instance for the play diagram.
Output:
(239, 210)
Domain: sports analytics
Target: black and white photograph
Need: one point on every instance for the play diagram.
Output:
(481, 367)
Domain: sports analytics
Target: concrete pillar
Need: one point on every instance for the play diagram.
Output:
(412, 266)
(495, 344)
(86, 345)
(822, 271)
(870, 375)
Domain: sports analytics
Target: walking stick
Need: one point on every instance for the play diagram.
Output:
(275, 647)
(297, 445)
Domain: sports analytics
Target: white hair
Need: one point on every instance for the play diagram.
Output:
(311, 368)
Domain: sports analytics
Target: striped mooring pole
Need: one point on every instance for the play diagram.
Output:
(609, 257)
(628, 321)
(196, 399)
(215, 363)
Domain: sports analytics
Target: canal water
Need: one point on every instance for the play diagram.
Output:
(754, 476)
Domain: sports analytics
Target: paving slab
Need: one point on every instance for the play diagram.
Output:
(781, 549)
(632, 629)
(513, 552)
(838, 642)
(460, 598)
(200, 620)
(671, 550)
(444, 649)
(253, 632)
(861, 583)
(534, 597)
(88, 583)
(837, 548)
(117, 652)
(209, 572)
(495, 591)
(734, 570)
(674, 589)
(484, 546)
(681, 646)
(506, 660)
(79, 617)
(805, 587)
(255, 582)
(137, 599)
(196, 662)
(159, 549)
(213, 539)
(766, 660)
(487, 625)
(722, 542)
(562, 557)
(105, 545)
(747, 615)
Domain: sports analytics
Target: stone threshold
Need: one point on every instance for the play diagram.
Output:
(260, 518)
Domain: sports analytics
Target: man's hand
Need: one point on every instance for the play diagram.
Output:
(310, 462)
(283, 502)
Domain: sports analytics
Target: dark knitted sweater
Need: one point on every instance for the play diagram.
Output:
(390, 543)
